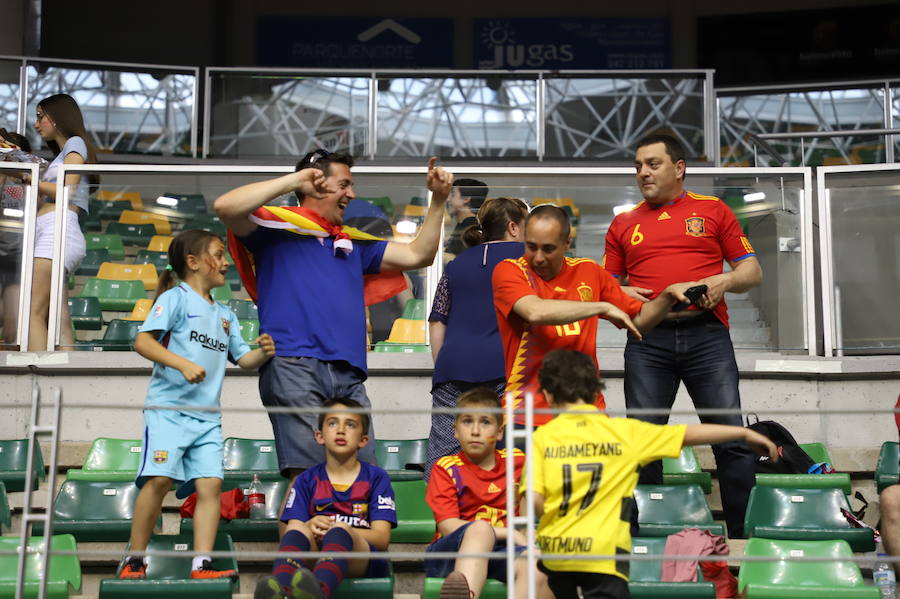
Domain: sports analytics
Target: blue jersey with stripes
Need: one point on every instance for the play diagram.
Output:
(205, 333)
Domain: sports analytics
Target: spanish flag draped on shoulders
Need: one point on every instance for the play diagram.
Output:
(303, 221)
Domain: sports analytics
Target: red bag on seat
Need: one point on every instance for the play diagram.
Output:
(233, 505)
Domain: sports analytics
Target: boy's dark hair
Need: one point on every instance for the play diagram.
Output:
(570, 376)
(191, 242)
(475, 190)
(551, 212)
(673, 147)
(347, 403)
(322, 160)
(482, 397)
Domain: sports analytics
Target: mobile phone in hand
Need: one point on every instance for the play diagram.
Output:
(693, 294)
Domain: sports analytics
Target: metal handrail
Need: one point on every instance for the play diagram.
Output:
(815, 134)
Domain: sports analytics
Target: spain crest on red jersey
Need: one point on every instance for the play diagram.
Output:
(694, 226)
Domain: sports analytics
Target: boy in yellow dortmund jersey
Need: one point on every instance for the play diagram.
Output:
(585, 468)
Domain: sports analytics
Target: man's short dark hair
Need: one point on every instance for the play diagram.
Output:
(475, 190)
(551, 212)
(347, 403)
(569, 376)
(322, 160)
(673, 147)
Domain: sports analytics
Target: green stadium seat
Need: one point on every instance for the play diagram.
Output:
(493, 589)
(403, 460)
(221, 294)
(207, 223)
(249, 331)
(91, 262)
(158, 259)
(187, 203)
(132, 234)
(14, 463)
(119, 335)
(685, 470)
(819, 453)
(415, 520)
(247, 529)
(118, 296)
(232, 278)
(246, 457)
(414, 309)
(367, 588)
(64, 570)
(109, 242)
(94, 511)
(110, 460)
(5, 513)
(789, 579)
(887, 470)
(170, 576)
(244, 309)
(803, 514)
(401, 348)
(645, 575)
(666, 509)
(85, 313)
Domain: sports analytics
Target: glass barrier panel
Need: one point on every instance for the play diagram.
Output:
(125, 112)
(14, 189)
(895, 116)
(803, 111)
(279, 115)
(457, 117)
(865, 247)
(601, 118)
(9, 94)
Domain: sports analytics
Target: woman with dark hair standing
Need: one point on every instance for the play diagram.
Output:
(59, 122)
(465, 341)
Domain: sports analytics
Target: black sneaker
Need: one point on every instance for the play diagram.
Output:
(133, 569)
(206, 571)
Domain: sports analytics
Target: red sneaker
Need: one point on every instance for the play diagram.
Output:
(207, 571)
(133, 569)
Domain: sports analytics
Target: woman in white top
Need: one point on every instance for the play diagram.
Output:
(61, 126)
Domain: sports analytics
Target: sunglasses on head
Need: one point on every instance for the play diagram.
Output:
(315, 156)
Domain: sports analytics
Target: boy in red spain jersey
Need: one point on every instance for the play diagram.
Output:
(545, 300)
(585, 470)
(467, 493)
(677, 235)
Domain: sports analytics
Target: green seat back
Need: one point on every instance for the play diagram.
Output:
(667, 509)
(802, 580)
(403, 460)
(110, 460)
(94, 511)
(401, 348)
(107, 209)
(14, 462)
(415, 520)
(368, 588)
(249, 331)
(158, 259)
(246, 529)
(114, 295)
(64, 570)
(138, 235)
(646, 570)
(244, 309)
(817, 451)
(810, 514)
(221, 294)
(414, 309)
(188, 203)
(840, 480)
(120, 334)
(685, 470)
(493, 589)
(109, 242)
(169, 576)
(85, 313)
(92, 260)
(5, 514)
(244, 457)
(232, 278)
(209, 223)
(645, 575)
(887, 470)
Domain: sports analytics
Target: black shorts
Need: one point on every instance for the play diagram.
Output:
(566, 585)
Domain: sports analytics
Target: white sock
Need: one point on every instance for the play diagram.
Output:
(198, 561)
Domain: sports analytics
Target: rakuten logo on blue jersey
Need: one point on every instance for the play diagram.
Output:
(208, 341)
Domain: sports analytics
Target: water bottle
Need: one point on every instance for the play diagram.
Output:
(883, 574)
(256, 498)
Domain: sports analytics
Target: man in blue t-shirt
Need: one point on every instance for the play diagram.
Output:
(310, 294)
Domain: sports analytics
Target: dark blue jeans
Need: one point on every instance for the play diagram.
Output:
(698, 352)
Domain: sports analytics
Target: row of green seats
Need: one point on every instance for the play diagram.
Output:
(121, 295)
(14, 464)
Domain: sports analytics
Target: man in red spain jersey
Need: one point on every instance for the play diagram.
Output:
(545, 301)
(677, 235)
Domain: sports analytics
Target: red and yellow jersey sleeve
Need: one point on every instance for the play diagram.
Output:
(614, 255)
(510, 280)
(735, 245)
(610, 290)
(441, 493)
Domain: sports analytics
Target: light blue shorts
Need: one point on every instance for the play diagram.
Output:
(182, 448)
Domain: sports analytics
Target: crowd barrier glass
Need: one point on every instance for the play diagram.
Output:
(17, 218)
(9, 93)
(771, 205)
(746, 112)
(859, 221)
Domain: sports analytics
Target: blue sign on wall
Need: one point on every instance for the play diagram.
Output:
(327, 42)
(572, 44)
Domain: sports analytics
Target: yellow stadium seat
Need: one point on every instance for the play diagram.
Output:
(141, 310)
(558, 202)
(134, 217)
(413, 210)
(160, 243)
(146, 273)
(132, 197)
(407, 331)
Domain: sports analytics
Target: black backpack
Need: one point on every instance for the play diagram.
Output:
(793, 459)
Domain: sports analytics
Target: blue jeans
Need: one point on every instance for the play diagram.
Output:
(698, 352)
(440, 568)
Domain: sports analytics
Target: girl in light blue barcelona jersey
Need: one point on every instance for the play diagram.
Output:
(189, 336)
